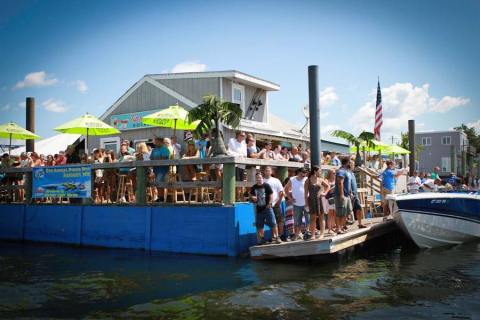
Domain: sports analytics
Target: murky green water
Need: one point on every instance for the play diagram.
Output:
(42, 281)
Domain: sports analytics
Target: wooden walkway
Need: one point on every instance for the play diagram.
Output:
(376, 227)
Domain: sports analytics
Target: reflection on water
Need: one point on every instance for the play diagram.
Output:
(402, 283)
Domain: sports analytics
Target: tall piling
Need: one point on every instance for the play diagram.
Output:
(30, 122)
(411, 145)
(314, 111)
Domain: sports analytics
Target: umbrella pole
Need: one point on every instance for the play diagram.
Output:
(10, 145)
(86, 143)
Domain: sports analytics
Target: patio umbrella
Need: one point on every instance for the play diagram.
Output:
(395, 149)
(376, 146)
(12, 130)
(174, 117)
(87, 125)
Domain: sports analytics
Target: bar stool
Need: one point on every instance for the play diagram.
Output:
(200, 193)
(124, 185)
(174, 191)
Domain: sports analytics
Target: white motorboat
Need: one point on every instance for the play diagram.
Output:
(437, 219)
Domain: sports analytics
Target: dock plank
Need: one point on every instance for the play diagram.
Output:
(376, 227)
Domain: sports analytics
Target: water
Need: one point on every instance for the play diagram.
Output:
(43, 281)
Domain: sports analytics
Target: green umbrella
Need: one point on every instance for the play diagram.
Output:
(87, 125)
(395, 149)
(174, 117)
(12, 130)
(376, 146)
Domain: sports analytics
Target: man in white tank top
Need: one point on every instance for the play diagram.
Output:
(295, 189)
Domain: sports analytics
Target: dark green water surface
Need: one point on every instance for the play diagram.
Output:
(45, 281)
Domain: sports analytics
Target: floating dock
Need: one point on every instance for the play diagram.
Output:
(376, 228)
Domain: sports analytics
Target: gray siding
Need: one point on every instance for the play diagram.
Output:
(146, 97)
(194, 89)
(259, 115)
(431, 156)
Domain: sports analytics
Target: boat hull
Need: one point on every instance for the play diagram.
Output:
(435, 220)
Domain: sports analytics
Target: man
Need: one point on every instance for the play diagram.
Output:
(277, 197)
(177, 148)
(357, 207)
(71, 155)
(430, 184)
(295, 189)
(238, 148)
(389, 180)
(435, 175)
(160, 152)
(343, 190)
(335, 160)
(261, 194)
(414, 183)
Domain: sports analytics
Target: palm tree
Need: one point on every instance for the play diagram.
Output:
(364, 138)
(211, 113)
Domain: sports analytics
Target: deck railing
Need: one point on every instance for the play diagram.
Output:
(227, 185)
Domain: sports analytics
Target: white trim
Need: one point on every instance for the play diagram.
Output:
(266, 109)
(426, 144)
(236, 86)
(233, 74)
(172, 93)
(221, 87)
(110, 140)
(446, 144)
(122, 98)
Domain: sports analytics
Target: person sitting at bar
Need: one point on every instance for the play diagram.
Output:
(238, 148)
(161, 152)
(191, 153)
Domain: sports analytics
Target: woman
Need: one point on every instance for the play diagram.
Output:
(109, 175)
(99, 182)
(191, 153)
(142, 152)
(36, 161)
(267, 152)
(330, 202)
(50, 161)
(315, 189)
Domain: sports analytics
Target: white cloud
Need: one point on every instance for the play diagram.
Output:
(36, 79)
(400, 103)
(54, 105)
(22, 105)
(328, 96)
(81, 86)
(327, 129)
(475, 124)
(447, 103)
(6, 107)
(189, 66)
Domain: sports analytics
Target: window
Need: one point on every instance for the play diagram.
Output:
(446, 164)
(426, 141)
(447, 140)
(238, 95)
(112, 143)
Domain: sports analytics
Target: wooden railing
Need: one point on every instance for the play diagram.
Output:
(227, 184)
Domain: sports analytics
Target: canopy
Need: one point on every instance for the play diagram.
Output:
(174, 117)
(395, 149)
(12, 130)
(87, 125)
(51, 145)
(376, 146)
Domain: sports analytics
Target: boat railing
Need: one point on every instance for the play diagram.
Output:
(136, 186)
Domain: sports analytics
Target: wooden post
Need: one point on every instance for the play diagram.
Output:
(28, 187)
(228, 184)
(141, 190)
(282, 173)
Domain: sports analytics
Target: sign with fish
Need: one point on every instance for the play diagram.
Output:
(129, 121)
(73, 181)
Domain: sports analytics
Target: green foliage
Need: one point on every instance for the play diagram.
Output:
(364, 137)
(404, 143)
(211, 113)
(472, 136)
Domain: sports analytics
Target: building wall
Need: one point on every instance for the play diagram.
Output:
(431, 156)
(194, 89)
(219, 230)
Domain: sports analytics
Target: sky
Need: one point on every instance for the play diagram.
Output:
(81, 56)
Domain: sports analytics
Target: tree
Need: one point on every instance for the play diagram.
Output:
(211, 113)
(366, 138)
(406, 145)
(472, 136)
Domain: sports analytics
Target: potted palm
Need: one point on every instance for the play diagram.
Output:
(211, 113)
(365, 139)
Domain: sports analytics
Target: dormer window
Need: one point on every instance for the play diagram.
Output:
(238, 95)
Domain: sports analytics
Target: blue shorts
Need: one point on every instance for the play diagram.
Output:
(265, 217)
(298, 213)
(160, 176)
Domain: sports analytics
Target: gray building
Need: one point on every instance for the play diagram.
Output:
(445, 149)
(158, 91)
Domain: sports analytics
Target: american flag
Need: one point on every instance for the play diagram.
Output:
(378, 114)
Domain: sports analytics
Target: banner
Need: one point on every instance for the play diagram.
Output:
(73, 181)
(129, 121)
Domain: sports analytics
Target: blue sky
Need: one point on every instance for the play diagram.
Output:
(80, 56)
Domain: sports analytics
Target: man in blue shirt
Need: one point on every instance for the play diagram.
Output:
(343, 190)
(160, 152)
(389, 180)
(357, 207)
